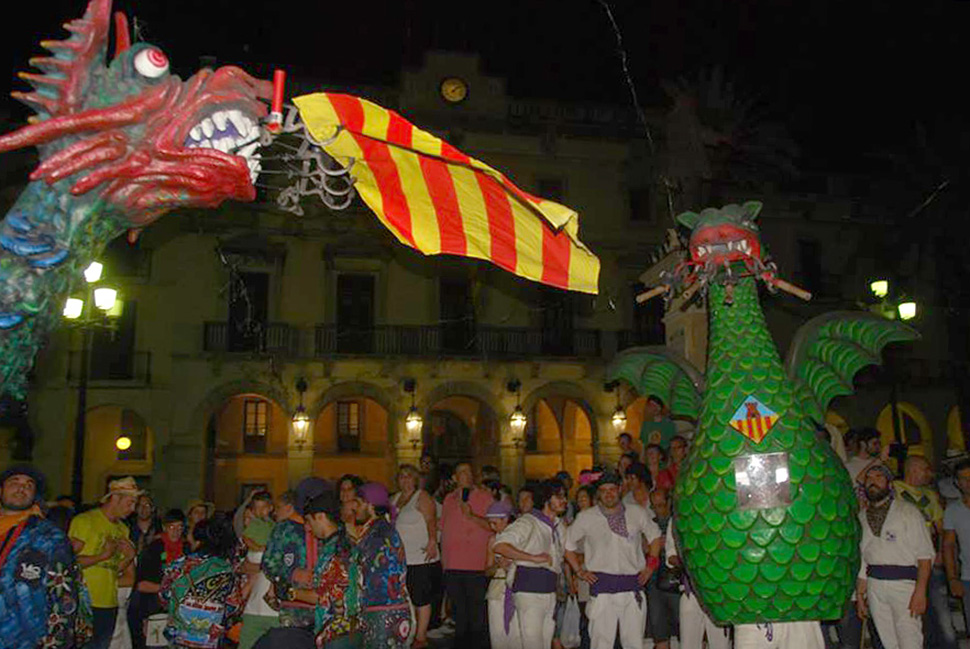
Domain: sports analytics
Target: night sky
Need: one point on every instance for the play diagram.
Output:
(846, 77)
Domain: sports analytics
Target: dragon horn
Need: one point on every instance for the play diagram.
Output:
(122, 34)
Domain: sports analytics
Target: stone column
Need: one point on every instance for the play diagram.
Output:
(606, 450)
(512, 464)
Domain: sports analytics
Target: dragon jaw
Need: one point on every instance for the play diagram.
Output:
(126, 133)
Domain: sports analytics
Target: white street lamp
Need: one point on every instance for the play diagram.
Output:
(93, 272)
(105, 298)
(879, 288)
(907, 310)
(73, 308)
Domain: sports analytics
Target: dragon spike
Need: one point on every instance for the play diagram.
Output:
(76, 55)
(34, 101)
(122, 33)
(50, 64)
(38, 80)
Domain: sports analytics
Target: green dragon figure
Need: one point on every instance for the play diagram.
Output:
(120, 144)
(766, 515)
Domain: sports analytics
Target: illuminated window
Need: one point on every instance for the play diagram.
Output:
(255, 425)
(348, 426)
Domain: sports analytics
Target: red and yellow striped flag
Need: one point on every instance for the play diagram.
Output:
(438, 200)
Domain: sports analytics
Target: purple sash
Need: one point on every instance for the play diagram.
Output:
(609, 583)
(893, 573)
(528, 579)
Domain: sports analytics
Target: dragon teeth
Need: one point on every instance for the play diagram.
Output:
(208, 127)
(196, 133)
(241, 122)
(220, 119)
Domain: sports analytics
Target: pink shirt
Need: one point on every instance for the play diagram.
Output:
(463, 542)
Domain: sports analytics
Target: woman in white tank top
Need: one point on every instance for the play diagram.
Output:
(417, 525)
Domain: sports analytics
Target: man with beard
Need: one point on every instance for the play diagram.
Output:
(535, 543)
(39, 580)
(386, 614)
(612, 536)
(897, 556)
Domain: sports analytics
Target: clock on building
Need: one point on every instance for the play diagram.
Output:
(454, 90)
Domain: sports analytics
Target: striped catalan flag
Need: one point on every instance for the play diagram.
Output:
(438, 200)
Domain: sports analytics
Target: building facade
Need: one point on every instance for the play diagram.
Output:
(228, 312)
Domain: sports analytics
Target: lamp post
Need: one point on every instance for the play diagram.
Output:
(905, 309)
(413, 422)
(301, 420)
(619, 414)
(97, 310)
(518, 419)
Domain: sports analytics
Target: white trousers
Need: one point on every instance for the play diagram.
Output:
(779, 635)
(609, 609)
(537, 623)
(496, 627)
(889, 608)
(694, 622)
(122, 638)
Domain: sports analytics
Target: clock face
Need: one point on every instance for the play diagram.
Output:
(454, 90)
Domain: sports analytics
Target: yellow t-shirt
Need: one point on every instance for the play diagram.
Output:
(94, 528)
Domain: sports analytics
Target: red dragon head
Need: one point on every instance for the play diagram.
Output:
(132, 135)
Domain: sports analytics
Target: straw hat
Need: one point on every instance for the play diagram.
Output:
(210, 508)
(123, 487)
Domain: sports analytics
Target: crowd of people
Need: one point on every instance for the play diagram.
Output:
(337, 564)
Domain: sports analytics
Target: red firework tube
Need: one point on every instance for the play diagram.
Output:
(275, 121)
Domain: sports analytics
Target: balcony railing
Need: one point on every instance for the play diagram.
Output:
(133, 369)
(271, 338)
(477, 342)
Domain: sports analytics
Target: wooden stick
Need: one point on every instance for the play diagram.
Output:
(791, 288)
(652, 293)
(689, 291)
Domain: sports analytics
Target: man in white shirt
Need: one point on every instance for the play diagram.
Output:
(870, 453)
(897, 556)
(535, 542)
(616, 540)
(694, 622)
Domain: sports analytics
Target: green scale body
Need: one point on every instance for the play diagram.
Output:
(754, 565)
(782, 546)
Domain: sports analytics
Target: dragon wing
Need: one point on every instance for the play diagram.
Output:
(656, 370)
(828, 350)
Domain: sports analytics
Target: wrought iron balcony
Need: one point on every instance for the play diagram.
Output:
(268, 338)
(471, 342)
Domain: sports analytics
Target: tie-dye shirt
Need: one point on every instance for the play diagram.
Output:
(336, 579)
(42, 602)
(380, 555)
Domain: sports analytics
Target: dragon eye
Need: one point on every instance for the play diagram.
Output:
(151, 63)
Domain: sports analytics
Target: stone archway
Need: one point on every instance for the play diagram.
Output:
(463, 420)
(354, 432)
(562, 430)
(103, 461)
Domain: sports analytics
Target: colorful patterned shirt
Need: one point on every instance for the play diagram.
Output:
(380, 555)
(199, 592)
(286, 551)
(42, 602)
(336, 579)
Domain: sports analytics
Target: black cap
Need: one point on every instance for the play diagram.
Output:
(326, 502)
(29, 471)
(609, 477)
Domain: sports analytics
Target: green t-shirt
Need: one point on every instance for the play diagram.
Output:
(94, 528)
(657, 432)
(258, 531)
